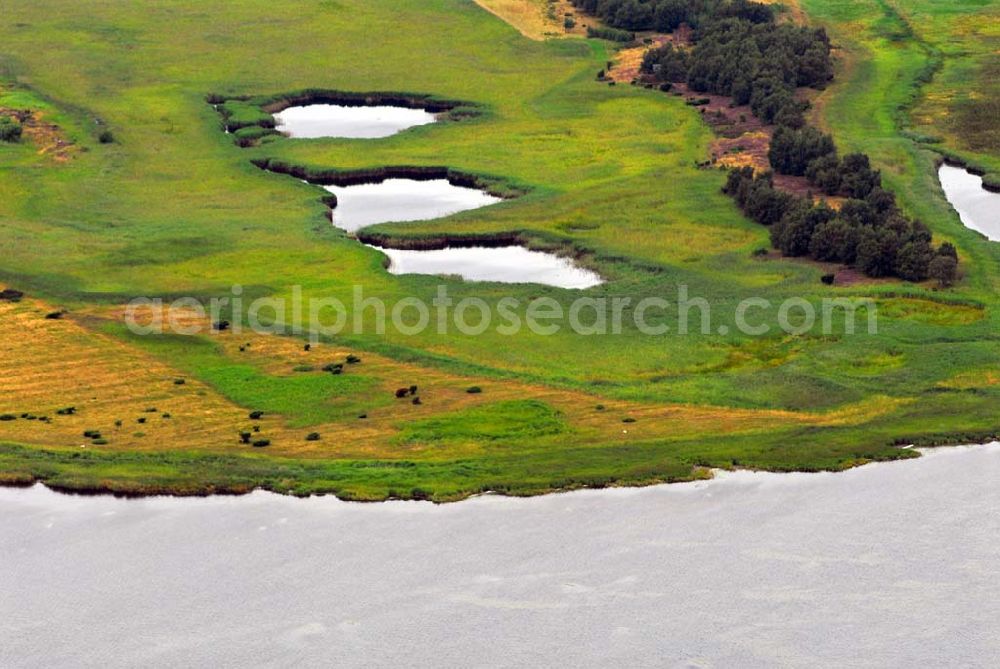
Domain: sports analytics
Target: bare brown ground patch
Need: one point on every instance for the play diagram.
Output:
(48, 137)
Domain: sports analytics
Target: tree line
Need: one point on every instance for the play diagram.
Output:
(740, 51)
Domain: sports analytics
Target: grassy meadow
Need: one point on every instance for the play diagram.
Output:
(610, 174)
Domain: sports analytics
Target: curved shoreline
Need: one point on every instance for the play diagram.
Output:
(109, 488)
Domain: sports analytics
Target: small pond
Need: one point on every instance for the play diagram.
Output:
(505, 264)
(978, 208)
(327, 120)
(362, 205)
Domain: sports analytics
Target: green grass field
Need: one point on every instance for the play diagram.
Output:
(173, 208)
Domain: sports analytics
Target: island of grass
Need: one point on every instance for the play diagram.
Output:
(170, 207)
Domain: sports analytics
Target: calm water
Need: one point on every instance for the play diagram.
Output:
(978, 208)
(362, 205)
(888, 565)
(506, 264)
(309, 121)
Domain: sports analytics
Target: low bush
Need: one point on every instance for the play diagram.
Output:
(312, 436)
(261, 443)
(402, 392)
(10, 129)
(100, 441)
(245, 437)
(67, 411)
(256, 415)
(474, 390)
(106, 137)
(7, 417)
(353, 359)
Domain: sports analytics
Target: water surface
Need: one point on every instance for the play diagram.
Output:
(978, 208)
(362, 205)
(891, 565)
(505, 264)
(324, 120)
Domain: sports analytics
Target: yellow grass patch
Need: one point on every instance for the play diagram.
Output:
(51, 364)
(530, 17)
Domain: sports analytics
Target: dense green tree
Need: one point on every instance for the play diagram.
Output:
(913, 259)
(834, 241)
(876, 251)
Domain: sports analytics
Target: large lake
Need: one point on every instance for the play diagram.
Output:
(888, 565)
(978, 208)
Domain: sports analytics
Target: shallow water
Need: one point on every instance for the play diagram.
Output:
(506, 264)
(362, 205)
(323, 120)
(978, 208)
(887, 565)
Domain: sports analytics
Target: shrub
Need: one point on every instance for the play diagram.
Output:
(828, 279)
(353, 359)
(261, 443)
(413, 390)
(474, 390)
(10, 129)
(610, 34)
(943, 269)
(312, 436)
(92, 434)
(256, 415)
(167, 416)
(599, 407)
(307, 347)
(759, 252)
(302, 368)
(100, 441)
(141, 420)
(245, 437)
(628, 419)
(401, 392)
(416, 400)
(179, 382)
(220, 326)
(106, 137)
(55, 315)
(7, 417)
(948, 249)
(334, 367)
(67, 411)
(569, 23)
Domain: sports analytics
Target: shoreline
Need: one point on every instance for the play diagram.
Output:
(699, 474)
